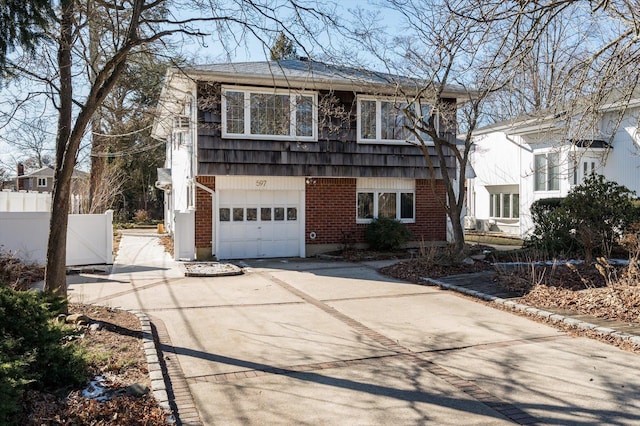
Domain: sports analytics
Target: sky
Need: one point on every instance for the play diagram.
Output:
(249, 49)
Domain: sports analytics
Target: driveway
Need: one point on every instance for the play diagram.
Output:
(317, 342)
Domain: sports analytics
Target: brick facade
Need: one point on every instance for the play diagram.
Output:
(331, 212)
(330, 209)
(431, 219)
(204, 216)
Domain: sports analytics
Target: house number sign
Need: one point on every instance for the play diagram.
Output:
(261, 183)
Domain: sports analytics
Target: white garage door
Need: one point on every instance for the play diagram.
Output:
(255, 224)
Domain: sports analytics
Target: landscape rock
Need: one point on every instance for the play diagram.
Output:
(76, 319)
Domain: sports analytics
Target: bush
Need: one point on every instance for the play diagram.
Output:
(592, 217)
(386, 234)
(552, 232)
(32, 349)
(141, 216)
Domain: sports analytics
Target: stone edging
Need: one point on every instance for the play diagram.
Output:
(158, 386)
(535, 311)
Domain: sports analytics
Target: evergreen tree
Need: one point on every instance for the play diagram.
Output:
(283, 48)
(22, 23)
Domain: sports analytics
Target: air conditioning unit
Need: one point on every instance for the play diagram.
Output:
(483, 225)
(469, 222)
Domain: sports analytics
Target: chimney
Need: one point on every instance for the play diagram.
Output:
(20, 182)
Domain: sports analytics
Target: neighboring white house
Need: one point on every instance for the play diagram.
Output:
(527, 159)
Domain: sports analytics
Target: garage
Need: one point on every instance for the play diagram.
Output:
(262, 222)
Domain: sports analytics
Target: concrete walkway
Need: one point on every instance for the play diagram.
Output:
(318, 342)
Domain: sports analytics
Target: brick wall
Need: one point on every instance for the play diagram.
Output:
(204, 214)
(431, 220)
(331, 211)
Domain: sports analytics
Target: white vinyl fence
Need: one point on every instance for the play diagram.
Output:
(184, 236)
(89, 237)
(24, 201)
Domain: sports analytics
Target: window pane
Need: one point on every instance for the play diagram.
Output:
(553, 161)
(392, 121)
(498, 208)
(225, 214)
(365, 205)
(270, 114)
(491, 201)
(387, 205)
(406, 205)
(368, 119)
(304, 116)
(238, 214)
(252, 214)
(516, 206)
(235, 112)
(292, 213)
(265, 213)
(540, 172)
(506, 205)
(278, 213)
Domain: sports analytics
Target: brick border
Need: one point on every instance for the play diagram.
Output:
(177, 389)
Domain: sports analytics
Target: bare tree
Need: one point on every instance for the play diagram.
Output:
(526, 55)
(32, 142)
(78, 86)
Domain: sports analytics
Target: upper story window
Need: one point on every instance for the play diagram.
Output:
(383, 120)
(547, 171)
(42, 182)
(269, 114)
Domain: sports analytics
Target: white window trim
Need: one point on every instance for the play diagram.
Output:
(398, 193)
(547, 174)
(247, 113)
(379, 140)
(492, 206)
(43, 179)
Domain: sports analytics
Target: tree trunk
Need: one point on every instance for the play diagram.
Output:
(55, 271)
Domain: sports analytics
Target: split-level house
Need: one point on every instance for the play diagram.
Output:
(292, 158)
(519, 161)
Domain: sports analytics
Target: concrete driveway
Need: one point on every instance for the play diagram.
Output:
(317, 342)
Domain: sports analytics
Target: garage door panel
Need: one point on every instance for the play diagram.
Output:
(267, 224)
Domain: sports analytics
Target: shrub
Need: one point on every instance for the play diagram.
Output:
(386, 234)
(552, 231)
(593, 216)
(141, 216)
(32, 349)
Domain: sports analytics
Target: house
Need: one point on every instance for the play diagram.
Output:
(529, 158)
(41, 180)
(292, 158)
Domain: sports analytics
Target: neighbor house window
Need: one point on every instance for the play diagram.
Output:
(398, 205)
(385, 120)
(547, 171)
(504, 205)
(42, 182)
(279, 114)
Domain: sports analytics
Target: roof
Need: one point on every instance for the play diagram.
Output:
(311, 74)
(47, 171)
(556, 119)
